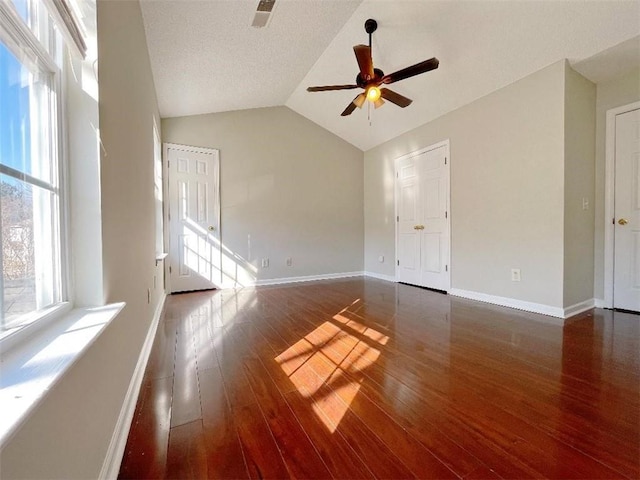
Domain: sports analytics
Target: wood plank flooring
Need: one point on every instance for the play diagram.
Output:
(361, 378)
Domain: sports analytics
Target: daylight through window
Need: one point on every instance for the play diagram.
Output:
(29, 170)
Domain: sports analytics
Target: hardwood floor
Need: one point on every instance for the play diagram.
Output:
(361, 378)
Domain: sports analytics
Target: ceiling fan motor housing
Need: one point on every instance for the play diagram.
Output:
(376, 80)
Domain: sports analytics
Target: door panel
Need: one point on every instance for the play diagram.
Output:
(423, 195)
(432, 262)
(194, 218)
(626, 290)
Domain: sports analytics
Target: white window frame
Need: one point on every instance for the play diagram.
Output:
(23, 43)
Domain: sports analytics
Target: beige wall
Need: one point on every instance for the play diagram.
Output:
(507, 190)
(579, 178)
(69, 433)
(615, 93)
(289, 188)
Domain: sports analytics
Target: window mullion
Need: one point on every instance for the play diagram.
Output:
(25, 177)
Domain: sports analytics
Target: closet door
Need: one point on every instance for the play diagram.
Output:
(422, 183)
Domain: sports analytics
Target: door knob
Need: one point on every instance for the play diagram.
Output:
(623, 221)
(211, 228)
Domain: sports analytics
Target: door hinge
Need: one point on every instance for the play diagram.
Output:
(397, 174)
(445, 160)
(168, 164)
(398, 218)
(446, 214)
(398, 262)
(446, 268)
(169, 269)
(613, 220)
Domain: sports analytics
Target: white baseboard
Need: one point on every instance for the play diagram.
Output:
(115, 452)
(600, 303)
(509, 302)
(543, 309)
(380, 276)
(579, 308)
(284, 280)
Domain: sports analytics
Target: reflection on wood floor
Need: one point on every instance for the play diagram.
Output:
(360, 378)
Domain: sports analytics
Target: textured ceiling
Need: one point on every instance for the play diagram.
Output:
(206, 58)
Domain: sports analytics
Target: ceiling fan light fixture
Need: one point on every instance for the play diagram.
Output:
(373, 94)
(359, 100)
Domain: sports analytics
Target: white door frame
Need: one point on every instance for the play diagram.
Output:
(166, 172)
(609, 210)
(444, 143)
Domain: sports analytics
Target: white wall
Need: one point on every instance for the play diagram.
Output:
(615, 93)
(69, 433)
(507, 190)
(83, 182)
(289, 188)
(579, 185)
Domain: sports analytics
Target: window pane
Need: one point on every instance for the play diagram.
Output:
(29, 266)
(22, 7)
(25, 118)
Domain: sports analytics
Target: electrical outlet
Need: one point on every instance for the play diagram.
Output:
(515, 274)
(289, 262)
(265, 263)
(381, 258)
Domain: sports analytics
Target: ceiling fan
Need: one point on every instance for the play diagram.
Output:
(370, 79)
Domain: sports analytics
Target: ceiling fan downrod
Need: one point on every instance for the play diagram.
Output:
(370, 26)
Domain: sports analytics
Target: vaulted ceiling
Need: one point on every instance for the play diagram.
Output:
(206, 57)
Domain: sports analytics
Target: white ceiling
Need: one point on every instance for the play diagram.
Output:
(207, 58)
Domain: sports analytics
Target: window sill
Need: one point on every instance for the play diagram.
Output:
(32, 368)
(160, 257)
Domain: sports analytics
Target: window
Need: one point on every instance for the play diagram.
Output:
(30, 187)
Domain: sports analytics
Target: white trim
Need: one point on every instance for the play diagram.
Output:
(510, 302)
(189, 148)
(599, 303)
(118, 443)
(579, 308)
(285, 280)
(609, 207)
(67, 21)
(443, 143)
(380, 276)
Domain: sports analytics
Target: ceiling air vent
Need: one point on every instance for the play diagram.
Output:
(263, 12)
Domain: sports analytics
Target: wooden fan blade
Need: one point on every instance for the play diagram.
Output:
(327, 88)
(411, 71)
(356, 103)
(394, 97)
(363, 56)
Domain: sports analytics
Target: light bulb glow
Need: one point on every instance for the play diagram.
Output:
(373, 94)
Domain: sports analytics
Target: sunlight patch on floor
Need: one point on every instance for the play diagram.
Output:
(327, 365)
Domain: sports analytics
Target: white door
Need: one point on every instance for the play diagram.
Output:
(422, 181)
(626, 288)
(194, 218)
(408, 255)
